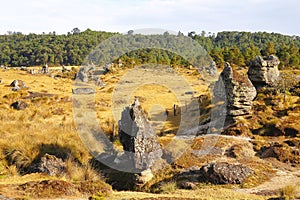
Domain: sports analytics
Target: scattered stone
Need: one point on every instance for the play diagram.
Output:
(50, 165)
(45, 69)
(99, 82)
(263, 71)
(187, 185)
(19, 105)
(17, 83)
(237, 90)
(224, 173)
(138, 138)
(83, 91)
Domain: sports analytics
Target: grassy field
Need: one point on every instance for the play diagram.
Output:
(47, 126)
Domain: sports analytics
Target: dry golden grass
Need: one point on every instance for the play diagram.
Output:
(207, 193)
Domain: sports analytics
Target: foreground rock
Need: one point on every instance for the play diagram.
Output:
(224, 173)
(237, 90)
(50, 165)
(138, 138)
(263, 71)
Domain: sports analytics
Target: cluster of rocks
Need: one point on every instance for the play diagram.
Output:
(87, 75)
(239, 90)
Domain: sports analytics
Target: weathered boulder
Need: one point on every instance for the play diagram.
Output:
(138, 137)
(224, 173)
(237, 90)
(50, 165)
(19, 105)
(263, 71)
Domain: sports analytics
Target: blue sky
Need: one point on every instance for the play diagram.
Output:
(37, 16)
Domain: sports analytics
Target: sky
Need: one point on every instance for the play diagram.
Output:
(61, 16)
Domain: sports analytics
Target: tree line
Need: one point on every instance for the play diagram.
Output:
(238, 48)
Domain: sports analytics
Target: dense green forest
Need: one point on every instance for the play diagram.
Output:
(238, 48)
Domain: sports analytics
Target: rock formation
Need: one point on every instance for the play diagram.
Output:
(17, 85)
(224, 173)
(237, 90)
(82, 75)
(50, 165)
(263, 71)
(138, 138)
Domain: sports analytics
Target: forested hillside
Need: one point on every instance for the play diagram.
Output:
(238, 48)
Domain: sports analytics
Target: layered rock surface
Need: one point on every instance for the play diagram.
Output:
(138, 138)
(263, 71)
(237, 90)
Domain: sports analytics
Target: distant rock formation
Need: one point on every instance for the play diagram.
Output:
(17, 85)
(19, 105)
(82, 75)
(237, 90)
(86, 74)
(138, 138)
(263, 71)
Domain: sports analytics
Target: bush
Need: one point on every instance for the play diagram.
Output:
(288, 192)
(168, 188)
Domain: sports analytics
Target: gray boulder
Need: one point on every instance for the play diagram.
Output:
(224, 173)
(237, 90)
(263, 71)
(50, 165)
(138, 138)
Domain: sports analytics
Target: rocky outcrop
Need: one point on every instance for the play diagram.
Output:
(50, 165)
(224, 173)
(237, 90)
(138, 137)
(19, 105)
(263, 71)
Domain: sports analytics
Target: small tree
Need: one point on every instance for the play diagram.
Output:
(285, 82)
